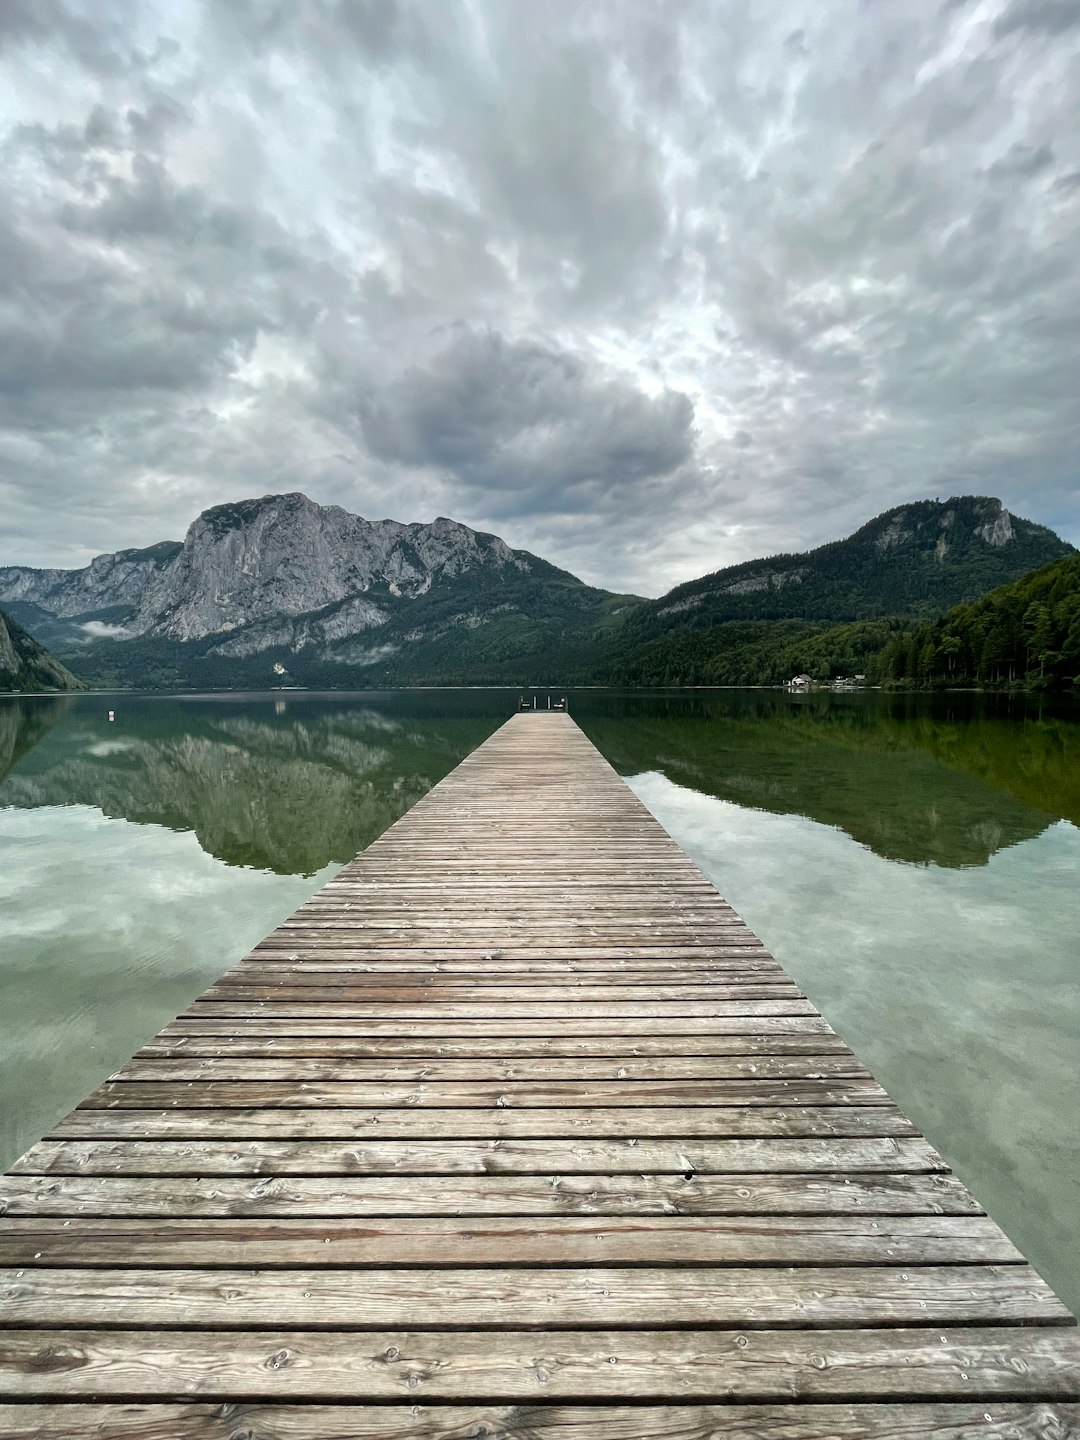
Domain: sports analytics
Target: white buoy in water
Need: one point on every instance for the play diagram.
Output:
(112, 714)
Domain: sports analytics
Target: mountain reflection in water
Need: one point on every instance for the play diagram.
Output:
(266, 783)
(946, 780)
(293, 784)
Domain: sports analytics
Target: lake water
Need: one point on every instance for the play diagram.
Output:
(913, 861)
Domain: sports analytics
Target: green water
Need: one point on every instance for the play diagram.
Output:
(914, 862)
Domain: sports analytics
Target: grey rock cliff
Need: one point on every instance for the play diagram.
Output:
(265, 564)
(108, 581)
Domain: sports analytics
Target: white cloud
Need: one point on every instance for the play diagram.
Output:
(99, 630)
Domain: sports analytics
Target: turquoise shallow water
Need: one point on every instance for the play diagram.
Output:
(914, 863)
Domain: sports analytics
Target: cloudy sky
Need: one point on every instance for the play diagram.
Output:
(646, 288)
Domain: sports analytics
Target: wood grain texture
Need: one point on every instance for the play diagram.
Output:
(501, 1122)
(471, 1157)
(498, 1095)
(756, 1194)
(434, 1023)
(470, 1046)
(194, 1421)
(489, 1068)
(516, 1117)
(565, 1240)
(525, 1366)
(510, 1298)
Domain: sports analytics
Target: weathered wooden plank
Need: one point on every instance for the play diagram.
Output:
(560, 1023)
(694, 909)
(667, 930)
(480, 907)
(552, 1299)
(369, 873)
(657, 1366)
(235, 988)
(760, 1194)
(386, 885)
(442, 916)
(358, 923)
(689, 908)
(505, 1122)
(524, 1046)
(517, 951)
(442, 1010)
(316, 966)
(433, 1241)
(445, 911)
(474, 1157)
(449, 937)
(569, 863)
(193, 1421)
(574, 1094)
(583, 1069)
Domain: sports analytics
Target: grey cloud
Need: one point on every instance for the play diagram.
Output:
(139, 284)
(522, 118)
(571, 175)
(533, 426)
(381, 28)
(97, 38)
(377, 29)
(646, 293)
(20, 19)
(1022, 161)
(1051, 17)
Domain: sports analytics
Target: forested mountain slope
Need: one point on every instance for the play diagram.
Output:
(1026, 633)
(282, 591)
(833, 609)
(26, 665)
(917, 558)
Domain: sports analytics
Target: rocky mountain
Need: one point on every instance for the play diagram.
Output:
(915, 559)
(108, 582)
(26, 665)
(264, 563)
(831, 609)
(284, 591)
(292, 586)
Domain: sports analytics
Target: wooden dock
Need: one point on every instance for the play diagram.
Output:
(513, 1130)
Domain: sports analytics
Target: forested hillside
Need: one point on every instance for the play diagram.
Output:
(756, 652)
(917, 559)
(280, 591)
(1024, 634)
(26, 665)
(832, 610)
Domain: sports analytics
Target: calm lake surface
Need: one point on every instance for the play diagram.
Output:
(913, 861)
